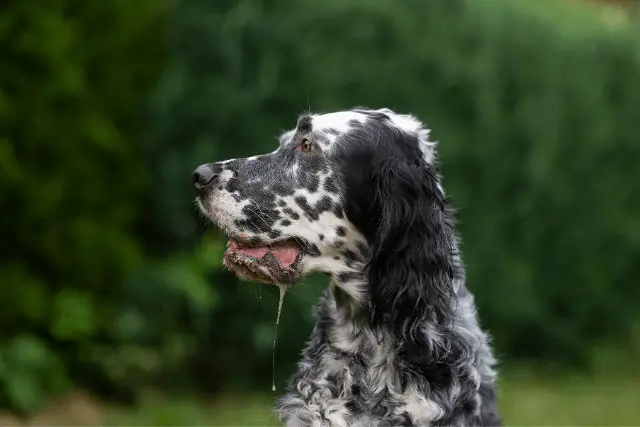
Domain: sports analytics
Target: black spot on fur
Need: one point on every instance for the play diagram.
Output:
(285, 223)
(362, 248)
(350, 257)
(282, 189)
(311, 182)
(293, 214)
(355, 124)
(341, 231)
(330, 185)
(313, 250)
(321, 236)
(324, 204)
(312, 163)
(310, 212)
(233, 185)
(274, 234)
(257, 220)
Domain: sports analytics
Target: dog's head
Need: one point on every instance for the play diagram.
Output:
(353, 194)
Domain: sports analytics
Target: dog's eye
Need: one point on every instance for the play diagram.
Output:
(305, 146)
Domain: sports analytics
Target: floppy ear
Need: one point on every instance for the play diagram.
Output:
(411, 270)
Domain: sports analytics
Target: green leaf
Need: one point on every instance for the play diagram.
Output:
(74, 315)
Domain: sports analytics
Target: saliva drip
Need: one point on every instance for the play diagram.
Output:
(283, 290)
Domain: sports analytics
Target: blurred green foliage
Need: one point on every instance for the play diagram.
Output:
(106, 278)
(73, 84)
(534, 110)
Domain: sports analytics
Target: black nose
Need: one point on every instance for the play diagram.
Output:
(205, 175)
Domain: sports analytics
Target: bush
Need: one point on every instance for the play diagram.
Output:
(72, 88)
(534, 111)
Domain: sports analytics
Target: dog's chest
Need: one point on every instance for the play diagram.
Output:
(344, 390)
(374, 390)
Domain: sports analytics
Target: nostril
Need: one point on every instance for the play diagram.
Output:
(203, 176)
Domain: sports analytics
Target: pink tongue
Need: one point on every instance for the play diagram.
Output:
(285, 254)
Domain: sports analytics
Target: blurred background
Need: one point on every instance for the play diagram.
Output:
(114, 306)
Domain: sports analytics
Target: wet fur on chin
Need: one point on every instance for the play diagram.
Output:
(268, 270)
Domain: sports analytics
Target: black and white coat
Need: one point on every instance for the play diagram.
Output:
(397, 340)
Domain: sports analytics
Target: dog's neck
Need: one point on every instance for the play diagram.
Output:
(350, 287)
(353, 313)
(357, 373)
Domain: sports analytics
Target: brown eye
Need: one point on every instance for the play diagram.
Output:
(306, 146)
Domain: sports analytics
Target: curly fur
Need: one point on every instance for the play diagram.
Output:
(397, 340)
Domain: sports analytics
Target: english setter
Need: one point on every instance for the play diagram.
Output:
(357, 195)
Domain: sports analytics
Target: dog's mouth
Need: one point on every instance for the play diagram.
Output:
(274, 263)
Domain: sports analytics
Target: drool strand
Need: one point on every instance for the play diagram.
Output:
(283, 290)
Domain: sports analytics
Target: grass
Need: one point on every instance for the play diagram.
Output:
(572, 401)
(525, 400)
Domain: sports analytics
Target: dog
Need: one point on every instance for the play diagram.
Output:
(357, 195)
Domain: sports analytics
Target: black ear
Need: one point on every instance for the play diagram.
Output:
(411, 269)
